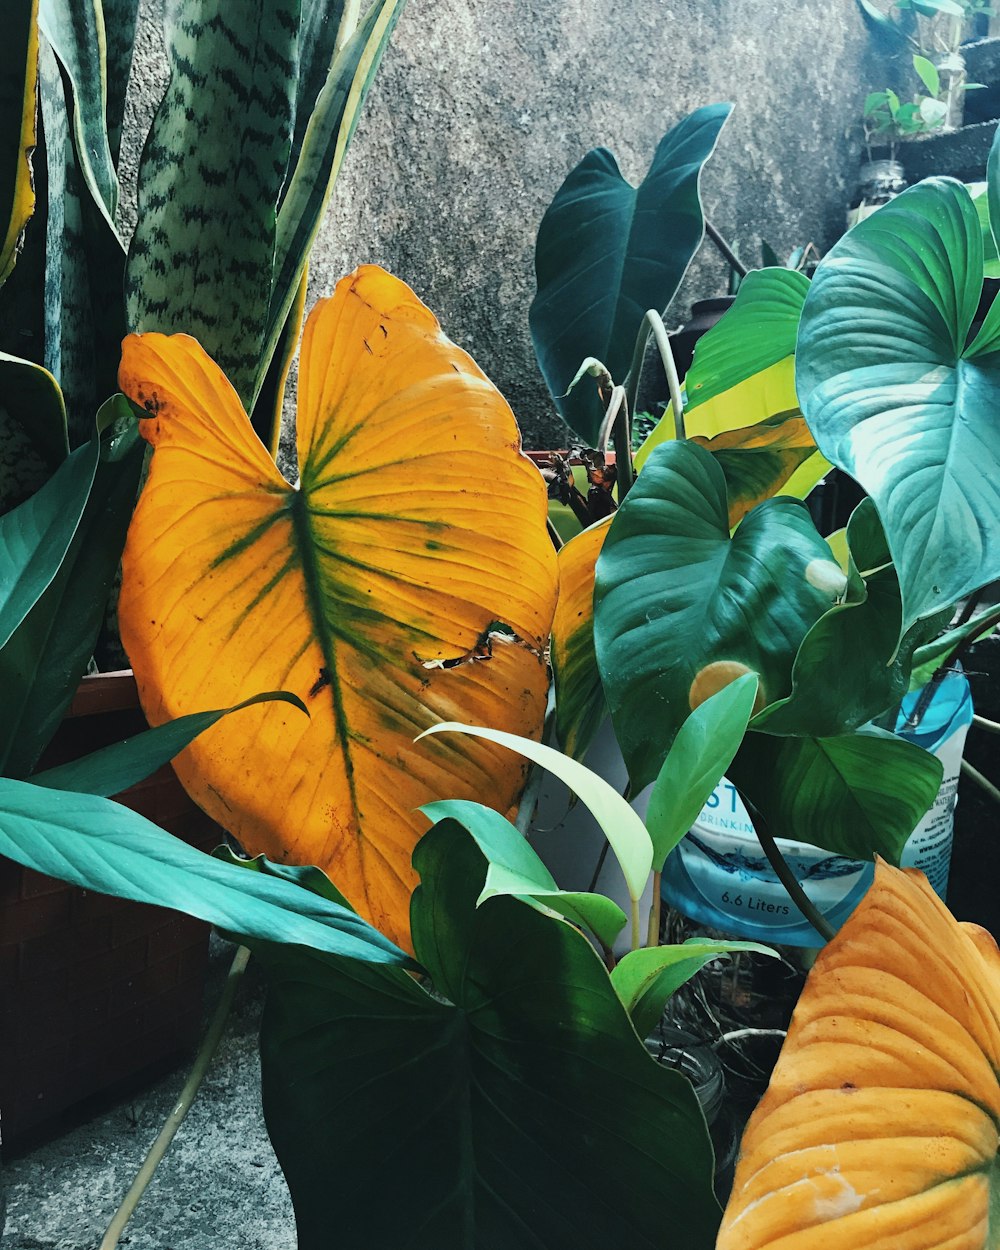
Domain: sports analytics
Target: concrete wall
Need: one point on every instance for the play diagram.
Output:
(482, 107)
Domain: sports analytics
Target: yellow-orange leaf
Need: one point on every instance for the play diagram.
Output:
(580, 705)
(406, 580)
(879, 1128)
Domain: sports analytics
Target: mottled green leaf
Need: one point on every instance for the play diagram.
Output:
(120, 20)
(608, 251)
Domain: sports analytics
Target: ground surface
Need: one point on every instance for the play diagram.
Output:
(219, 1188)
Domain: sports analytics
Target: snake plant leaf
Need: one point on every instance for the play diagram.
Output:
(760, 460)
(608, 251)
(519, 1093)
(323, 147)
(673, 593)
(515, 869)
(696, 762)
(75, 31)
(100, 845)
(619, 822)
(120, 18)
(758, 331)
(408, 579)
(858, 795)
(851, 665)
(47, 653)
(18, 110)
(645, 979)
(204, 246)
(894, 398)
(113, 769)
(580, 705)
(879, 1124)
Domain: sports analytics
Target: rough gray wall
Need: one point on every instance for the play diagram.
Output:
(482, 107)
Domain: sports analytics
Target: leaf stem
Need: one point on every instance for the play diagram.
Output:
(636, 923)
(725, 251)
(653, 932)
(991, 726)
(790, 881)
(203, 1059)
(983, 782)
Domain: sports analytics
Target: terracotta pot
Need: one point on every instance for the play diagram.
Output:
(95, 992)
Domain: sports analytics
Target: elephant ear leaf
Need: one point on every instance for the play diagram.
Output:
(879, 1124)
(895, 398)
(18, 111)
(407, 579)
(607, 252)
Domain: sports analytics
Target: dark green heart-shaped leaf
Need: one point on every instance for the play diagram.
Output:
(857, 795)
(100, 845)
(607, 252)
(113, 769)
(680, 608)
(646, 978)
(851, 666)
(758, 331)
(893, 396)
(523, 1111)
(516, 870)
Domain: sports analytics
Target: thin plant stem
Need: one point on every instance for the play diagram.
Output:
(652, 323)
(621, 435)
(653, 932)
(725, 251)
(176, 1118)
(736, 1035)
(636, 923)
(983, 782)
(991, 726)
(553, 533)
(790, 881)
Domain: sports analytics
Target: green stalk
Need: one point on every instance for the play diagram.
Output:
(166, 1135)
(984, 783)
(636, 927)
(653, 931)
(790, 881)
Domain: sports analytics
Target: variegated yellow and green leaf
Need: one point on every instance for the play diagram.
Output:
(18, 110)
(408, 579)
(202, 254)
(580, 705)
(879, 1128)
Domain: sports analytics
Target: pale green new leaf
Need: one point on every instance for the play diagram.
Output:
(621, 825)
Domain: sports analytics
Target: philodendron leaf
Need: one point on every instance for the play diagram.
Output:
(100, 845)
(758, 331)
(116, 767)
(759, 460)
(879, 1124)
(851, 665)
(931, 655)
(18, 110)
(619, 822)
(696, 762)
(519, 1096)
(204, 246)
(646, 978)
(607, 252)
(893, 396)
(858, 794)
(408, 579)
(580, 705)
(515, 869)
(674, 592)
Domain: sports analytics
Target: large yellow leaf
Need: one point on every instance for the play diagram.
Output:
(879, 1128)
(580, 705)
(374, 590)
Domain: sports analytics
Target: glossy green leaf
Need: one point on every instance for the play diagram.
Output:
(991, 257)
(323, 147)
(515, 869)
(645, 979)
(44, 658)
(927, 73)
(673, 595)
(857, 795)
(98, 844)
(114, 768)
(75, 30)
(607, 252)
(894, 398)
(204, 246)
(852, 665)
(620, 823)
(695, 764)
(520, 1106)
(758, 331)
(120, 19)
